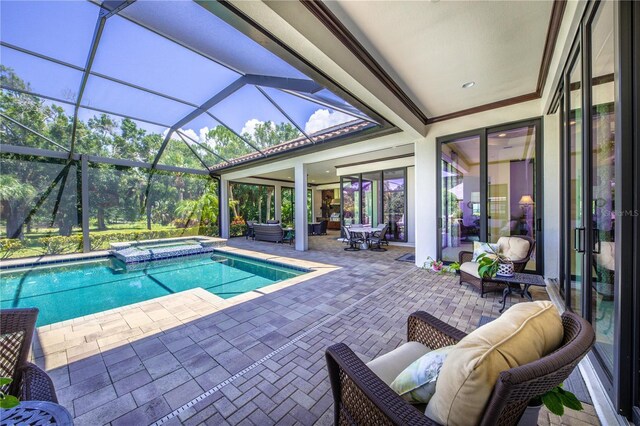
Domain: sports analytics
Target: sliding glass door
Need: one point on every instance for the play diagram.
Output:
(490, 187)
(394, 204)
(374, 198)
(371, 204)
(590, 182)
(350, 200)
(459, 196)
(602, 186)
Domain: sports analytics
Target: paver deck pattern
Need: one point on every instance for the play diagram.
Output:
(263, 353)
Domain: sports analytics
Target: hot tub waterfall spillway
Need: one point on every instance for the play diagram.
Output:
(143, 251)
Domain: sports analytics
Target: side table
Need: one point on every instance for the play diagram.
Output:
(526, 280)
(36, 413)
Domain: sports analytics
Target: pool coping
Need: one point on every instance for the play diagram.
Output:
(61, 258)
(311, 270)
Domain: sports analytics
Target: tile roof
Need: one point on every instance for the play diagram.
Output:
(319, 137)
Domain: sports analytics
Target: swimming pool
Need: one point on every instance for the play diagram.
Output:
(65, 291)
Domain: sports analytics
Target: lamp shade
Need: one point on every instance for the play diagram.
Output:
(526, 200)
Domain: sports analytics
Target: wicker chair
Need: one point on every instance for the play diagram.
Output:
(30, 383)
(362, 398)
(486, 285)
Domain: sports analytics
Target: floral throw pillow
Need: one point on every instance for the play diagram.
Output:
(479, 248)
(417, 383)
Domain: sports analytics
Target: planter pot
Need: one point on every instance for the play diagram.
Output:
(530, 416)
(505, 270)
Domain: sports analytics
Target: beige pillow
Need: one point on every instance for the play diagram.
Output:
(513, 247)
(524, 333)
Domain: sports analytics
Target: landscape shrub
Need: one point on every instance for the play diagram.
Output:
(8, 246)
(56, 244)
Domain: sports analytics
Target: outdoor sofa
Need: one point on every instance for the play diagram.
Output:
(268, 232)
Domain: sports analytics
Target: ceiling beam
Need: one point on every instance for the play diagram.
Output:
(326, 102)
(297, 84)
(27, 128)
(238, 135)
(215, 99)
(103, 15)
(193, 151)
(203, 146)
(283, 112)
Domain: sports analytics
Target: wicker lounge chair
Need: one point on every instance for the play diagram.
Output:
(486, 285)
(362, 398)
(30, 383)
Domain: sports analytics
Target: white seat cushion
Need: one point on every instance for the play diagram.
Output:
(391, 364)
(470, 268)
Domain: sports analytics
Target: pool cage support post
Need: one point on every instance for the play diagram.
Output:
(84, 172)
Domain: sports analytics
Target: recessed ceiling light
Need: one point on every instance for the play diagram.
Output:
(312, 180)
(288, 177)
(502, 135)
(468, 84)
(327, 171)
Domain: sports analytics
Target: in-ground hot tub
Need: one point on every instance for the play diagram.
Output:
(143, 251)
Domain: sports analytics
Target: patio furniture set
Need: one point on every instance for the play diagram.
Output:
(363, 237)
(480, 386)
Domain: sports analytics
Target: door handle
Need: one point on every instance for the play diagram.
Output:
(578, 240)
(596, 241)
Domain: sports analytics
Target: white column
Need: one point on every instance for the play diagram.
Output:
(426, 221)
(224, 207)
(302, 243)
(278, 201)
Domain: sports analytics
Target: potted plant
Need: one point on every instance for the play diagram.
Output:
(555, 400)
(7, 401)
(439, 267)
(492, 264)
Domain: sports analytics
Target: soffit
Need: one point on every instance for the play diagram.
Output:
(431, 48)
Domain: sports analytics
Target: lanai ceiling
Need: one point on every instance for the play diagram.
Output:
(431, 48)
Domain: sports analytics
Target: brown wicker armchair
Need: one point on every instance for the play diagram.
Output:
(486, 285)
(30, 383)
(362, 398)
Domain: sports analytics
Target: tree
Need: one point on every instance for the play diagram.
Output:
(15, 196)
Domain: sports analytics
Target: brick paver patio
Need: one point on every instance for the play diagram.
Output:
(194, 358)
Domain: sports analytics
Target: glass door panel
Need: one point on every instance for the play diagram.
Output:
(394, 204)
(371, 198)
(603, 181)
(511, 177)
(350, 200)
(575, 175)
(460, 196)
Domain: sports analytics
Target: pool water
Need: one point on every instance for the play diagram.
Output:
(66, 291)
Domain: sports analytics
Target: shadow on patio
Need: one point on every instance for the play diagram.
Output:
(260, 361)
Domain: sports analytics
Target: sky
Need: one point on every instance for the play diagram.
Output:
(63, 30)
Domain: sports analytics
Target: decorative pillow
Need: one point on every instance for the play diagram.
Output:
(523, 334)
(513, 248)
(417, 383)
(10, 345)
(479, 248)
